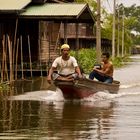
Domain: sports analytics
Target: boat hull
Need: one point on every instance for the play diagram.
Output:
(83, 88)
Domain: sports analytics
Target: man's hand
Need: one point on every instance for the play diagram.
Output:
(80, 76)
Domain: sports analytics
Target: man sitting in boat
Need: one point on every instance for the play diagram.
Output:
(105, 73)
(66, 66)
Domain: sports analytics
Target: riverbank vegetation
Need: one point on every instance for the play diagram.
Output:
(4, 86)
(87, 58)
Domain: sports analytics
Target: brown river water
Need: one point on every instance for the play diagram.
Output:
(36, 111)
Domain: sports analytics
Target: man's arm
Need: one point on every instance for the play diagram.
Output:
(49, 77)
(77, 69)
(99, 71)
(106, 71)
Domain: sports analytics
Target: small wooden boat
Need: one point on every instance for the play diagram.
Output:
(82, 88)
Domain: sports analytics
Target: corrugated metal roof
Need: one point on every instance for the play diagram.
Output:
(65, 9)
(13, 4)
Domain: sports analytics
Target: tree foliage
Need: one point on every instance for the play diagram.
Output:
(132, 15)
(131, 23)
(93, 7)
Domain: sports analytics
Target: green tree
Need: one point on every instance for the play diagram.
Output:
(93, 7)
(131, 23)
(132, 13)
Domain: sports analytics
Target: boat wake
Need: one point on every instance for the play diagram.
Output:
(57, 96)
(125, 90)
(129, 85)
(101, 96)
(43, 95)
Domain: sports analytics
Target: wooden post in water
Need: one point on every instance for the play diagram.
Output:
(2, 63)
(4, 67)
(21, 57)
(40, 58)
(6, 70)
(10, 58)
(14, 44)
(16, 59)
(30, 56)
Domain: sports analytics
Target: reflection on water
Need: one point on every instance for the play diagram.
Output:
(33, 119)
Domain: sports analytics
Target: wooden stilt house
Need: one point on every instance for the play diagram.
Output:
(32, 31)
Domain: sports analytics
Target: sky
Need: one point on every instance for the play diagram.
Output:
(108, 4)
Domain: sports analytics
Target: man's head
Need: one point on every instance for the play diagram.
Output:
(65, 48)
(105, 56)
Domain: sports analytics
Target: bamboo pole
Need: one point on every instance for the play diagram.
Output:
(21, 57)
(2, 63)
(29, 47)
(5, 64)
(40, 57)
(39, 44)
(14, 45)
(10, 58)
(16, 58)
